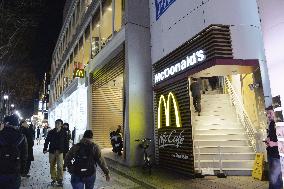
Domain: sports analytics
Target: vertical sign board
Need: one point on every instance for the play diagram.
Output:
(174, 140)
(162, 6)
(174, 148)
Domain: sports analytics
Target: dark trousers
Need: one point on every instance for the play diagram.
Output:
(10, 181)
(28, 167)
(196, 103)
(275, 176)
(79, 182)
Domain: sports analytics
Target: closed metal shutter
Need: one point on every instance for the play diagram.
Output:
(107, 100)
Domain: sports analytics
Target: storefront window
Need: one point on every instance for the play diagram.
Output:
(106, 22)
(96, 34)
(119, 4)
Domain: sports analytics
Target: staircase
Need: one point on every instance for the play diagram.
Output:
(218, 125)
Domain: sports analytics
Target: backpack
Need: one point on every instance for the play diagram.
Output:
(84, 161)
(10, 157)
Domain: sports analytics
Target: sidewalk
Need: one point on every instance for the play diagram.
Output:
(164, 179)
(40, 177)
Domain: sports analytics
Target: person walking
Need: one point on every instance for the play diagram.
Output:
(73, 136)
(275, 175)
(13, 153)
(55, 140)
(38, 135)
(86, 155)
(28, 133)
(68, 134)
(196, 95)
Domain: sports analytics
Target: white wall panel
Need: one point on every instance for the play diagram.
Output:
(185, 18)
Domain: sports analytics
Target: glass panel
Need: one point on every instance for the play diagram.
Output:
(118, 15)
(95, 34)
(87, 47)
(106, 22)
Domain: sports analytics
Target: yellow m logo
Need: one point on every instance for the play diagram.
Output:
(166, 104)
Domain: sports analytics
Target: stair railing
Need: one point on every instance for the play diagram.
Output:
(242, 114)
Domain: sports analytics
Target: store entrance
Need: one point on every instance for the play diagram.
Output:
(107, 113)
(224, 119)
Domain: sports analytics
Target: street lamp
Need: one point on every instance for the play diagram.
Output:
(6, 97)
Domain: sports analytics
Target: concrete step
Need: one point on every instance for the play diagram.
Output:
(233, 171)
(215, 120)
(218, 108)
(212, 136)
(214, 115)
(217, 126)
(220, 142)
(241, 164)
(219, 131)
(226, 156)
(225, 149)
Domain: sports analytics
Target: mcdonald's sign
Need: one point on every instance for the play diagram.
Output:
(79, 73)
(167, 109)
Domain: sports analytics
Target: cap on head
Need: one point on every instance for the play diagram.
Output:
(88, 134)
(11, 120)
(269, 108)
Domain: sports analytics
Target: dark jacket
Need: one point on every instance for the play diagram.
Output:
(11, 136)
(195, 89)
(272, 151)
(29, 136)
(55, 140)
(68, 137)
(97, 151)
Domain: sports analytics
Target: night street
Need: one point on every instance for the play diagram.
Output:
(175, 94)
(40, 178)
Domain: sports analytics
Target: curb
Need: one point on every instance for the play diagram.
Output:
(117, 171)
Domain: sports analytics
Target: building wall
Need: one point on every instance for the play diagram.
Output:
(272, 22)
(184, 19)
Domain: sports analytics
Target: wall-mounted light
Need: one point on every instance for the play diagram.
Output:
(253, 86)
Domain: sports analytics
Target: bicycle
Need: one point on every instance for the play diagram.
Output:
(145, 143)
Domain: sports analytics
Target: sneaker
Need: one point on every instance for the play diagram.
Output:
(59, 184)
(198, 113)
(26, 175)
(53, 183)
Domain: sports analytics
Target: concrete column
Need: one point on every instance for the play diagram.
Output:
(138, 79)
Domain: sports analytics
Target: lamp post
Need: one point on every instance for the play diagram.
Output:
(6, 98)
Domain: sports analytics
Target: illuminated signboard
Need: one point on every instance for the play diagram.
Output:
(79, 73)
(162, 6)
(185, 63)
(166, 105)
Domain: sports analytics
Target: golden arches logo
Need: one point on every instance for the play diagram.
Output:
(166, 104)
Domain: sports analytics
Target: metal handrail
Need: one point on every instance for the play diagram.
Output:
(242, 114)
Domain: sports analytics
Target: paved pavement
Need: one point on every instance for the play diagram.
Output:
(133, 178)
(40, 177)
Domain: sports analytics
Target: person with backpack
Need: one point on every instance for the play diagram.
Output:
(28, 132)
(68, 134)
(81, 161)
(55, 140)
(13, 153)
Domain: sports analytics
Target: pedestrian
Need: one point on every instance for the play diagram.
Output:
(86, 155)
(44, 132)
(68, 134)
(28, 133)
(73, 136)
(55, 140)
(38, 135)
(13, 154)
(213, 81)
(196, 95)
(275, 176)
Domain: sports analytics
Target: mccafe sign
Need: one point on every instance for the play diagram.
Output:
(182, 65)
(174, 138)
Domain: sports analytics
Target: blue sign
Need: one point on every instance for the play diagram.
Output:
(162, 6)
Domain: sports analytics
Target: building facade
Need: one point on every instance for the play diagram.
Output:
(131, 63)
(106, 43)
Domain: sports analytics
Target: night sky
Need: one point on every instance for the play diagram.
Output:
(28, 33)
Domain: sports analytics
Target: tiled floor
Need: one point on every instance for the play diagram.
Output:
(40, 177)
